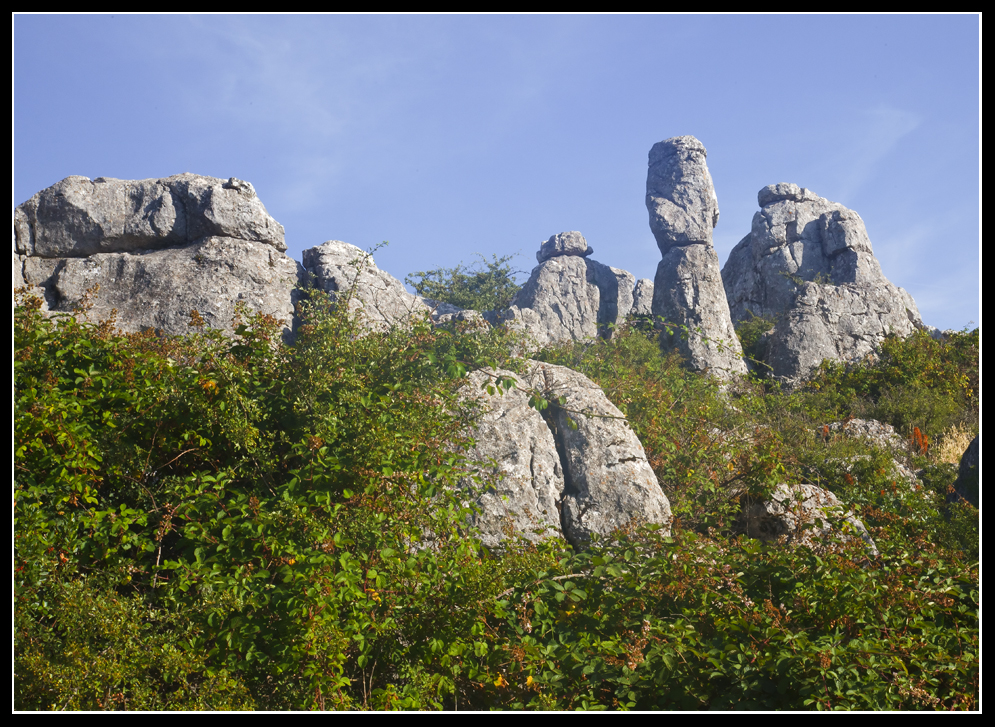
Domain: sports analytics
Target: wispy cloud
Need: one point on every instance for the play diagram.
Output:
(875, 134)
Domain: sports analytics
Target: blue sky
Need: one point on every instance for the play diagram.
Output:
(454, 135)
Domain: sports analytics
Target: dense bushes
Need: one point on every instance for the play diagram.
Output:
(484, 286)
(221, 523)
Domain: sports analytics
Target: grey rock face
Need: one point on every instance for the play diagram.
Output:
(344, 270)
(805, 515)
(679, 194)
(159, 288)
(78, 217)
(609, 483)
(158, 249)
(562, 480)
(525, 483)
(571, 298)
(687, 290)
(564, 243)
(688, 294)
(880, 434)
(808, 265)
(642, 298)
(842, 322)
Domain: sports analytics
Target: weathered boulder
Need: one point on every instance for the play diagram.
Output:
(564, 243)
(342, 269)
(78, 217)
(680, 195)
(575, 470)
(524, 485)
(878, 433)
(808, 265)
(155, 250)
(569, 297)
(608, 482)
(687, 291)
(804, 515)
(159, 289)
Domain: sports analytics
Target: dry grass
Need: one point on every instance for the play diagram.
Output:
(953, 443)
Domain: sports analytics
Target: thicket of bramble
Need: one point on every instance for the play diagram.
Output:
(228, 522)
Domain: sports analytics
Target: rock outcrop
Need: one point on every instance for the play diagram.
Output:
(687, 291)
(575, 471)
(807, 264)
(158, 249)
(342, 269)
(524, 485)
(569, 297)
(803, 515)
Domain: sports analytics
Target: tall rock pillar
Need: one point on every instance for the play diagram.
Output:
(688, 291)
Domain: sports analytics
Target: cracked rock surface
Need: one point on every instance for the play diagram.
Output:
(158, 249)
(580, 454)
(569, 297)
(343, 269)
(687, 290)
(804, 515)
(808, 265)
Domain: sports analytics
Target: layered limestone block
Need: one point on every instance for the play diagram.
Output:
(569, 297)
(803, 515)
(155, 250)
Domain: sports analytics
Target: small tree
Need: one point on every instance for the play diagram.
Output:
(487, 285)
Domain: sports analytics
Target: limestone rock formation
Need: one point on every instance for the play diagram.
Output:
(804, 514)
(609, 483)
(808, 265)
(579, 456)
(158, 249)
(343, 269)
(642, 298)
(687, 291)
(565, 243)
(525, 482)
(569, 297)
(78, 217)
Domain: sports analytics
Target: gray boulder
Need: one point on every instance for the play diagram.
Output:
(522, 481)
(155, 250)
(348, 273)
(159, 289)
(78, 217)
(569, 297)
(687, 291)
(564, 243)
(803, 515)
(808, 265)
(575, 470)
(608, 482)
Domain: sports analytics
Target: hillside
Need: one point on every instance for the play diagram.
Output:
(226, 521)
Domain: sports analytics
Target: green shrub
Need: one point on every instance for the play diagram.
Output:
(214, 522)
(484, 286)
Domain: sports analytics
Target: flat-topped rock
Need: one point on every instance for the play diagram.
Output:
(78, 217)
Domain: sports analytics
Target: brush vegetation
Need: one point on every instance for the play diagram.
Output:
(227, 522)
